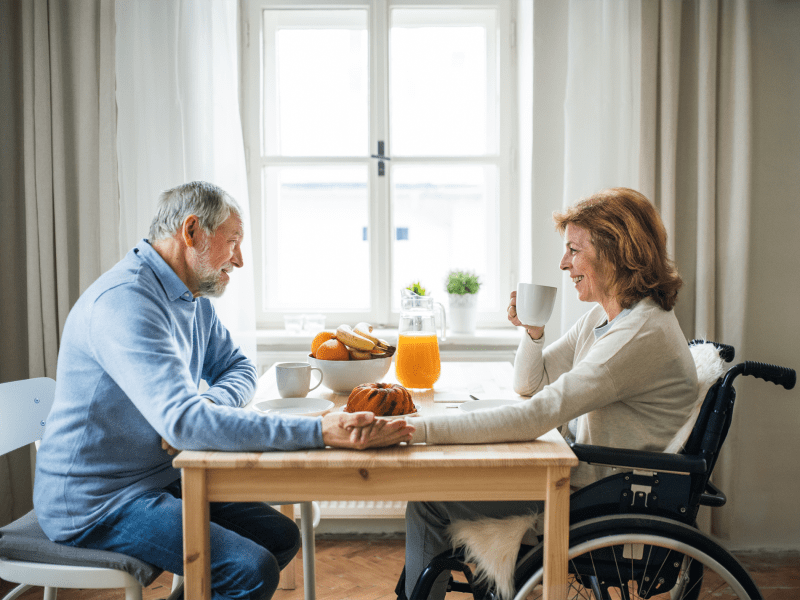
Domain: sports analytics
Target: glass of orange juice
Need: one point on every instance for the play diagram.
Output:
(417, 364)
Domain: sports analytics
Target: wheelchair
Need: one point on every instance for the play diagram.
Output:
(633, 535)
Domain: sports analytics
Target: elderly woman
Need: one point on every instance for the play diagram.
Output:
(622, 376)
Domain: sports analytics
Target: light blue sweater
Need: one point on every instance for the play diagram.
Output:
(134, 349)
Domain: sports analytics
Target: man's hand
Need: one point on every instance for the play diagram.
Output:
(170, 450)
(362, 430)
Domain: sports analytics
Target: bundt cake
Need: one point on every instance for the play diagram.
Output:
(383, 399)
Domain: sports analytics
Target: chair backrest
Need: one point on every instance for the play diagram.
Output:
(24, 406)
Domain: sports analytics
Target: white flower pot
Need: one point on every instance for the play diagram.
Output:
(463, 313)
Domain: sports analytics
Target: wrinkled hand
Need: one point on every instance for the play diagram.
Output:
(170, 450)
(363, 430)
(535, 332)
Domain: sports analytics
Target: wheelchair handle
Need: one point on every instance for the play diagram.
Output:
(778, 375)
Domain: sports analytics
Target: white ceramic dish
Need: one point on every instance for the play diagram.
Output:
(486, 404)
(341, 376)
(415, 414)
(306, 407)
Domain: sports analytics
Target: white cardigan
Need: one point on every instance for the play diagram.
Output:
(632, 387)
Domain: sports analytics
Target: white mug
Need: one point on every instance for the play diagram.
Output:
(294, 379)
(535, 303)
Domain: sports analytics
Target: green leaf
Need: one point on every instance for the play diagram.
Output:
(462, 282)
(417, 288)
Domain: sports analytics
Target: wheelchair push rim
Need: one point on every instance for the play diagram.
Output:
(695, 574)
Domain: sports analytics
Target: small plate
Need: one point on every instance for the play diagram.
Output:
(486, 404)
(414, 414)
(307, 407)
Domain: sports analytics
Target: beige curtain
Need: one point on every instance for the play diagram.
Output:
(696, 111)
(59, 184)
(654, 95)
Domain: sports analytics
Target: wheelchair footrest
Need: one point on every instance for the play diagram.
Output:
(459, 586)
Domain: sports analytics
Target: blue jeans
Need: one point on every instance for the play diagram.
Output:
(250, 542)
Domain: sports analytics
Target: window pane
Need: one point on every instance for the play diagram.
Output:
(315, 251)
(449, 220)
(441, 87)
(316, 84)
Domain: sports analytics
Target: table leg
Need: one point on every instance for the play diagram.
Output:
(309, 551)
(556, 533)
(289, 573)
(196, 535)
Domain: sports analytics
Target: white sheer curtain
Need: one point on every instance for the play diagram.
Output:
(602, 106)
(179, 121)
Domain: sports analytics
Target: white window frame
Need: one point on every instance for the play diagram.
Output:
(506, 159)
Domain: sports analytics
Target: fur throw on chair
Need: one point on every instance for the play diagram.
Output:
(493, 544)
(710, 367)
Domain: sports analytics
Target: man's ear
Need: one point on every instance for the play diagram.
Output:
(189, 230)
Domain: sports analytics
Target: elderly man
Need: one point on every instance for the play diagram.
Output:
(134, 349)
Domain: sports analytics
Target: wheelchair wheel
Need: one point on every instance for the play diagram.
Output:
(641, 558)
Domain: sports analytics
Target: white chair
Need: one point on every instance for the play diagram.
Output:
(27, 556)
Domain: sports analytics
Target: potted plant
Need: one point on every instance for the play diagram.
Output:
(462, 289)
(417, 288)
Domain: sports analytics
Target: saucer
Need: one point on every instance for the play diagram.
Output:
(307, 407)
(486, 404)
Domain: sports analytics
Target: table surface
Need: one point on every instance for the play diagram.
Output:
(536, 470)
(457, 381)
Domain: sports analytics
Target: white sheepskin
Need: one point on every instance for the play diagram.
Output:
(710, 367)
(493, 544)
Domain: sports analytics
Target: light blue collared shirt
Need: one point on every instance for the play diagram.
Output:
(134, 349)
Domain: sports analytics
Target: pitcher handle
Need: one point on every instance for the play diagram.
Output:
(444, 321)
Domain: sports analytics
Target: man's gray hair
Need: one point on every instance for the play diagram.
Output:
(211, 205)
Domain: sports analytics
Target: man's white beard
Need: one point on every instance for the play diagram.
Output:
(210, 282)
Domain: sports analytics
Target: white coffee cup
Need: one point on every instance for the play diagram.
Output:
(535, 303)
(294, 379)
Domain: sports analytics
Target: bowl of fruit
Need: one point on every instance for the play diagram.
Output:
(350, 356)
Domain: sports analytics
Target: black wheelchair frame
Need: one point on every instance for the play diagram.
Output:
(650, 506)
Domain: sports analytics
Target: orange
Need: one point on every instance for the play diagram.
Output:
(333, 350)
(320, 339)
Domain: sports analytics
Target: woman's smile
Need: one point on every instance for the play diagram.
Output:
(585, 269)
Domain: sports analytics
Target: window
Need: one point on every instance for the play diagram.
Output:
(381, 141)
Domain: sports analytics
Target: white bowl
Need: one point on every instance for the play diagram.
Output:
(341, 376)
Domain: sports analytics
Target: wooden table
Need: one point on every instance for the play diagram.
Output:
(538, 470)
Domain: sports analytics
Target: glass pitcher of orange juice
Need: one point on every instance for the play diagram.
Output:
(416, 361)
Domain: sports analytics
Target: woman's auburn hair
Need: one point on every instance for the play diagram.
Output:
(631, 243)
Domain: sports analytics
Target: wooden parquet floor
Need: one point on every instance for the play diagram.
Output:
(368, 569)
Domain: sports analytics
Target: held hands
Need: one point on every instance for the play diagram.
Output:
(359, 430)
(535, 332)
(363, 430)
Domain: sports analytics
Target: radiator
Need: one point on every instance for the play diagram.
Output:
(377, 509)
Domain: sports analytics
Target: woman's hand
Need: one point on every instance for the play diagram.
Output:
(534, 332)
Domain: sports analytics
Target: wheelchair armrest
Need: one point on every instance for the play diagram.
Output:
(713, 496)
(638, 459)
